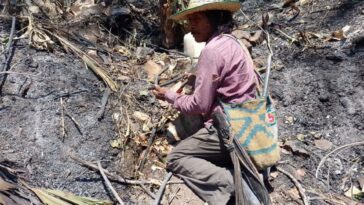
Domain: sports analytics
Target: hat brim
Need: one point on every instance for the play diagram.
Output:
(225, 6)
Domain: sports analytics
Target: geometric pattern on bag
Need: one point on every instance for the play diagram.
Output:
(254, 124)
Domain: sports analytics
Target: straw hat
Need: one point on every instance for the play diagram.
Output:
(204, 5)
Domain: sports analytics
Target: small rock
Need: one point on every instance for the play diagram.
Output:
(274, 174)
(361, 182)
(316, 135)
(296, 148)
(303, 2)
(142, 53)
(337, 165)
(347, 103)
(300, 173)
(335, 58)
(323, 144)
(324, 97)
(141, 116)
(257, 38)
(34, 10)
(152, 69)
(301, 137)
(123, 78)
(293, 194)
(289, 120)
(353, 192)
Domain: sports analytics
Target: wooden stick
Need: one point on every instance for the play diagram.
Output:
(15, 73)
(114, 177)
(335, 151)
(109, 184)
(63, 129)
(292, 40)
(150, 144)
(7, 54)
(104, 100)
(297, 184)
(156, 79)
(161, 189)
(75, 122)
(118, 178)
(173, 195)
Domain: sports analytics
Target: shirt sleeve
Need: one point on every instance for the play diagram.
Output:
(207, 81)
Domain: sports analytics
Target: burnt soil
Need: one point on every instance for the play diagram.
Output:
(317, 88)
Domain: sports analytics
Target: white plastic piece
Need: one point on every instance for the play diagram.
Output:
(191, 47)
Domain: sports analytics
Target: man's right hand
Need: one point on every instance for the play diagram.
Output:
(159, 92)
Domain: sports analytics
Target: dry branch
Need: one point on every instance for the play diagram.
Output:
(6, 52)
(116, 177)
(109, 184)
(297, 184)
(63, 129)
(78, 127)
(336, 152)
(147, 150)
(15, 73)
(104, 100)
(161, 189)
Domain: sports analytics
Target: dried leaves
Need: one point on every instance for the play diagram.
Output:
(56, 197)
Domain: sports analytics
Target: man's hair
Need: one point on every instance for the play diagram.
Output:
(222, 21)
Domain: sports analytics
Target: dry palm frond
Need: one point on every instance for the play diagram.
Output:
(91, 63)
(40, 39)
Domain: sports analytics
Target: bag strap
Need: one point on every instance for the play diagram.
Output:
(259, 78)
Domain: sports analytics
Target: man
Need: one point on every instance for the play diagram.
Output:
(224, 72)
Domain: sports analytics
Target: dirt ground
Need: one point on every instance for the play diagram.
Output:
(50, 101)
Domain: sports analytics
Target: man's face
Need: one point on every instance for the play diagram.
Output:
(200, 27)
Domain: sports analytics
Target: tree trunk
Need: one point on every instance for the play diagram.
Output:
(172, 32)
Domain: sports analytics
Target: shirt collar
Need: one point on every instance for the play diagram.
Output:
(212, 36)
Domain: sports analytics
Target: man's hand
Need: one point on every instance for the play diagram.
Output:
(159, 92)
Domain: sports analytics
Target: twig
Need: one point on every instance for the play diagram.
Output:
(137, 10)
(292, 40)
(117, 177)
(6, 52)
(335, 151)
(156, 80)
(176, 182)
(75, 122)
(297, 184)
(173, 195)
(332, 198)
(109, 184)
(63, 129)
(349, 174)
(168, 82)
(104, 100)
(265, 91)
(161, 189)
(146, 152)
(11, 34)
(127, 133)
(15, 73)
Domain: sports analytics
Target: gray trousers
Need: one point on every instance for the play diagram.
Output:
(202, 162)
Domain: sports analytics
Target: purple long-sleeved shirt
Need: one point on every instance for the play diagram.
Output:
(225, 70)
